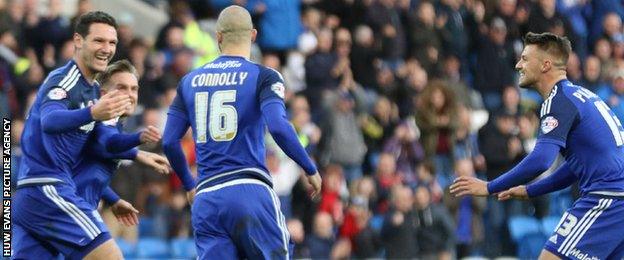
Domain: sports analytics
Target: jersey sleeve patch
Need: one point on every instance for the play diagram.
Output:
(57, 94)
(548, 124)
(279, 89)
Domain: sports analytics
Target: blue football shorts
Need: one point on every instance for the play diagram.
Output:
(240, 219)
(592, 229)
(50, 220)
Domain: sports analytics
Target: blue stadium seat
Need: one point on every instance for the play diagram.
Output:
(531, 246)
(183, 248)
(520, 226)
(127, 249)
(152, 248)
(549, 224)
(146, 227)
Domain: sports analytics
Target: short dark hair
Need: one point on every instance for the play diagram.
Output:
(85, 21)
(557, 46)
(116, 67)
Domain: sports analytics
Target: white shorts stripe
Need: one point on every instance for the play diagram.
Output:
(578, 238)
(588, 215)
(48, 193)
(68, 76)
(280, 219)
(80, 213)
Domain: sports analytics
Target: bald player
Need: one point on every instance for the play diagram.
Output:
(229, 103)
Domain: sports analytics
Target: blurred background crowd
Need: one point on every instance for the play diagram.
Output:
(392, 98)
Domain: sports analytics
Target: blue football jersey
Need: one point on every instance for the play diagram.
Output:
(222, 102)
(94, 172)
(591, 136)
(54, 155)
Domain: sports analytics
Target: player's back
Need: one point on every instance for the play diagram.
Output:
(223, 103)
(54, 155)
(595, 144)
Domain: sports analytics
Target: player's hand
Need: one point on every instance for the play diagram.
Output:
(111, 105)
(190, 196)
(518, 192)
(315, 181)
(150, 135)
(467, 185)
(157, 162)
(125, 213)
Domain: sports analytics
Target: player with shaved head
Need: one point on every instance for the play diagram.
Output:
(228, 103)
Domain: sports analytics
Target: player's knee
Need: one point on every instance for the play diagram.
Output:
(107, 250)
(547, 255)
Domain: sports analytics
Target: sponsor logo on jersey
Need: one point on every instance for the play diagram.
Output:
(548, 124)
(57, 94)
(279, 89)
(582, 256)
(224, 65)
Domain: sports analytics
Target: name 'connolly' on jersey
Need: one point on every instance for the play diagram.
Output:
(219, 79)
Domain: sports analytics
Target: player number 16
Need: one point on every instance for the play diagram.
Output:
(223, 118)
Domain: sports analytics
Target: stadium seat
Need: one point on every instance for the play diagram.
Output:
(549, 224)
(183, 249)
(127, 249)
(152, 248)
(146, 227)
(531, 246)
(520, 226)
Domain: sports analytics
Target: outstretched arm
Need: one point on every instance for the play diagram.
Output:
(534, 164)
(560, 179)
(174, 131)
(530, 167)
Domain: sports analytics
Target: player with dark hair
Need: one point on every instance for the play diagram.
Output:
(577, 123)
(228, 103)
(49, 217)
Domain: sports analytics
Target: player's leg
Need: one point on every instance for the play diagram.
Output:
(211, 239)
(547, 255)
(106, 250)
(587, 229)
(25, 246)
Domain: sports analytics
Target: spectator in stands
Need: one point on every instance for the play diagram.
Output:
(437, 120)
(425, 37)
(331, 196)
(406, 151)
(342, 141)
(467, 212)
(386, 177)
(364, 57)
(280, 26)
(376, 128)
(613, 94)
(494, 69)
(297, 236)
(319, 66)
(322, 239)
(591, 74)
(435, 231)
(399, 231)
(385, 20)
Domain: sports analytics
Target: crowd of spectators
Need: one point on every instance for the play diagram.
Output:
(392, 98)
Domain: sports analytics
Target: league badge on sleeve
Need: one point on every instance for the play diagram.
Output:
(279, 89)
(548, 124)
(57, 94)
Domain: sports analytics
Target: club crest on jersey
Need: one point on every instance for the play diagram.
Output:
(548, 124)
(57, 94)
(279, 89)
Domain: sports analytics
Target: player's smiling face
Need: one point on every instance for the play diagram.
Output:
(98, 47)
(126, 84)
(529, 66)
